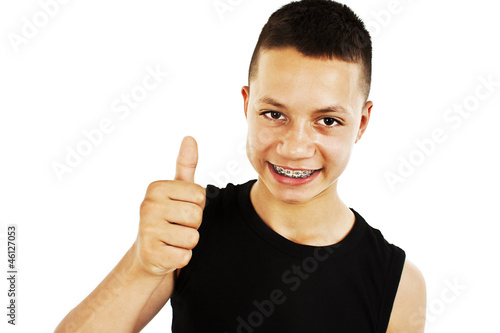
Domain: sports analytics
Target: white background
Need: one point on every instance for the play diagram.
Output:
(428, 57)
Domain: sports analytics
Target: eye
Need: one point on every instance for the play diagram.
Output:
(329, 121)
(274, 115)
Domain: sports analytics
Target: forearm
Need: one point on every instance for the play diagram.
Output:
(115, 305)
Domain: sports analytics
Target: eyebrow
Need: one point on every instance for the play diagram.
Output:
(326, 109)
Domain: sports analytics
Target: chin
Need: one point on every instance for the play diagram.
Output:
(303, 194)
(291, 195)
(292, 198)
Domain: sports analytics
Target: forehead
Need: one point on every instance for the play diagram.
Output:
(286, 74)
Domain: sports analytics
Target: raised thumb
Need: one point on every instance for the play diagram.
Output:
(187, 160)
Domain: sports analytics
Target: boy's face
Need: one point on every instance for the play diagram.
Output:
(304, 115)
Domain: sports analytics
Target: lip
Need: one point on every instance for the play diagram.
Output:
(292, 181)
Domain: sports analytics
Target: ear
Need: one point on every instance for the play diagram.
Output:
(365, 118)
(245, 92)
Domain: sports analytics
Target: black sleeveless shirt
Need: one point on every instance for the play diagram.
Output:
(244, 277)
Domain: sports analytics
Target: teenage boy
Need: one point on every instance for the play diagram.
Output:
(281, 253)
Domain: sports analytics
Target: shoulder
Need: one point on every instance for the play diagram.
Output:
(408, 311)
(373, 242)
(404, 285)
(223, 204)
(230, 192)
(226, 199)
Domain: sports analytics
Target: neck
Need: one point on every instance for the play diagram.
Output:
(321, 221)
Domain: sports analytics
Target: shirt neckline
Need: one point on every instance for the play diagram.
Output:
(283, 244)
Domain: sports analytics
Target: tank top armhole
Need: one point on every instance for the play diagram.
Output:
(391, 287)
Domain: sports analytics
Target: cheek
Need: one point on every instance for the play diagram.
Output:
(259, 138)
(336, 153)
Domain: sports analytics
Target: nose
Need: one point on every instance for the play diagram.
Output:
(297, 142)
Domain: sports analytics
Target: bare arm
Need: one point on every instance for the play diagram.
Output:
(116, 304)
(142, 282)
(408, 311)
(156, 302)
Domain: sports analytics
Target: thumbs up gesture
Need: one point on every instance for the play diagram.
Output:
(170, 215)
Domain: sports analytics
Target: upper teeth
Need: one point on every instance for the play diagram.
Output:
(293, 173)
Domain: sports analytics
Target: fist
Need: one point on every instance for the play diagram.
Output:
(170, 216)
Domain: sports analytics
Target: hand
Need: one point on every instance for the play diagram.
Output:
(170, 215)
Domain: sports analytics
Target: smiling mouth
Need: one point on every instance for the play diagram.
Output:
(293, 173)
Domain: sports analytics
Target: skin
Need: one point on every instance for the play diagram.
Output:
(142, 282)
(320, 113)
(286, 128)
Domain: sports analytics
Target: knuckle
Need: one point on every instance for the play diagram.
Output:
(199, 195)
(146, 230)
(192, 238)
(147, 222)
(152, 187)
(146, 205)
(157, 187)
(184, 258)
(202, 198)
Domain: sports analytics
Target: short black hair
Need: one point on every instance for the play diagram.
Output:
(318, 29)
